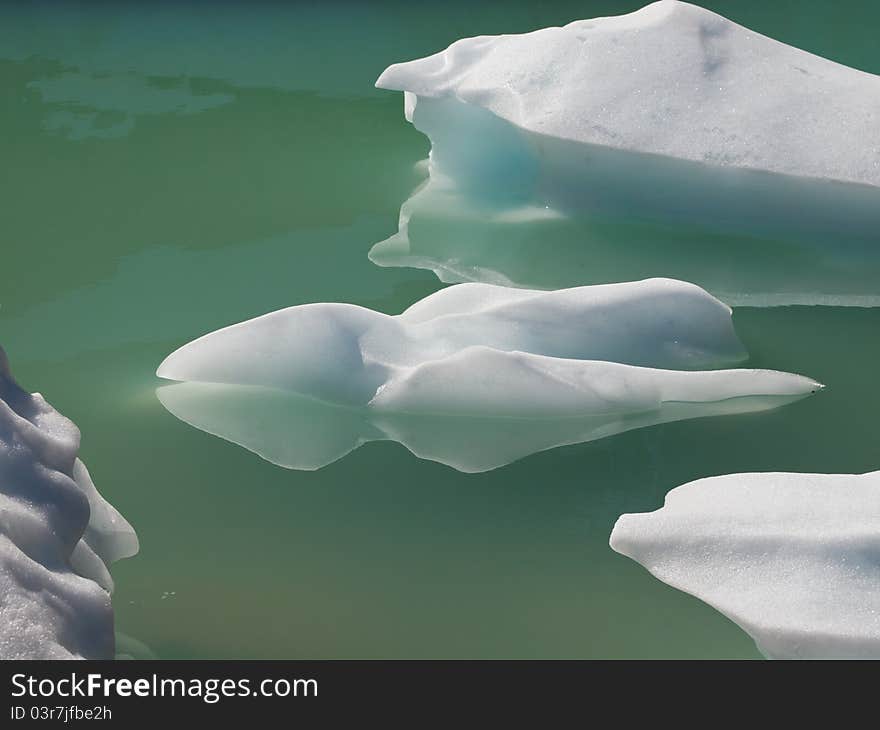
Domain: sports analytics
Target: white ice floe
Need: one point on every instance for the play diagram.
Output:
(669, 139)
(793, 559)
(470, 359)
(57, 536)
(670, 79)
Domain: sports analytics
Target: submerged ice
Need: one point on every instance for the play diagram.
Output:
(473, 376)
(669, 141)
(793, 559)
(57, 536)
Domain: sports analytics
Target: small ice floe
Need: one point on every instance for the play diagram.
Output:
(57, 536)
(793, 559)
(670, 141)
(473, 376)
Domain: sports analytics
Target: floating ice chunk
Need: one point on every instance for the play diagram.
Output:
(306, 385)
(668, 141)
(793, 559)
(57, 536)
(342, 353)
(670, 79)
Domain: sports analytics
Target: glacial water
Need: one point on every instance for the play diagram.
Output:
(172, 169)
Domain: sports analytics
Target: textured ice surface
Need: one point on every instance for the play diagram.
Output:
(57, 536)
(474, 375)
(669, 141)
(794, 559)
(671, 79)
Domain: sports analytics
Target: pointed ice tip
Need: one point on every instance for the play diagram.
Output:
(165, 367)
(386, 79)
(810, 386)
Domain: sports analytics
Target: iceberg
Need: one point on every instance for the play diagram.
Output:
(791, 558)
(473, 376)
(669, 141)
(57, 536)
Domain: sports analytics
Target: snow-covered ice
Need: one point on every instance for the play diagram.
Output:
(472, 359)
(57, 536)
(793, 559)
(621, 135)
(670, 79)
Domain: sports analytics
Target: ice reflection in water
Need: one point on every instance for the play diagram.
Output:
(298, 432)
(511, 207)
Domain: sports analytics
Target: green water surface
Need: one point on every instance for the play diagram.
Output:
(171, 169)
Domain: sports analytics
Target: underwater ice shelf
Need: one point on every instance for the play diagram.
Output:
(668, 142)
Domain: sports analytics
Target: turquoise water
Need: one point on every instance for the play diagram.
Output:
(172, 169)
